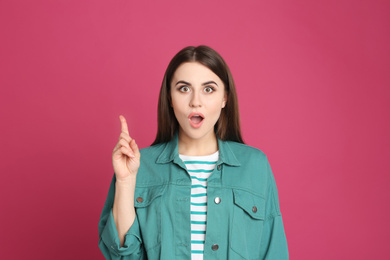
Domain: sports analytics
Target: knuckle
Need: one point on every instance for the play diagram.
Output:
(124, 136)
(123, 142)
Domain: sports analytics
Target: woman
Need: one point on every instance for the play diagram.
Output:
(198, 191)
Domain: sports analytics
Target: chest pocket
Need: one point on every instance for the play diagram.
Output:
(247, 226)
(147, 203)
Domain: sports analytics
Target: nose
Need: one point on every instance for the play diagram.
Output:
(195, 100)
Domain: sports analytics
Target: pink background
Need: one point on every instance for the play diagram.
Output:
(313, 85)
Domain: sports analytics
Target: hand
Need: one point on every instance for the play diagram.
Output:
(126, 155)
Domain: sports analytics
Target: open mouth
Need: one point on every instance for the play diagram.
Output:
(196, 119)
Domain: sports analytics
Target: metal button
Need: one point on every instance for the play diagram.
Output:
(254, 209)
(217, 200)
(219, 167)
(140, 200)
(215, 247)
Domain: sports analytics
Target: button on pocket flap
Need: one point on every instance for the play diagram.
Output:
(252, 204)
(144, 196)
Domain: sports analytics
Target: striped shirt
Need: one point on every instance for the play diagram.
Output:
(199, 168)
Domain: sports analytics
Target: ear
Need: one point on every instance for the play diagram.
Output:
(224, 101)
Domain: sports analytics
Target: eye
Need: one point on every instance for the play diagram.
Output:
(208, 89)
(184, 89)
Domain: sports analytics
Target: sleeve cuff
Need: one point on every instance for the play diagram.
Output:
(110, 237)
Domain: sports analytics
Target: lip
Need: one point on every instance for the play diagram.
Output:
(192, 123)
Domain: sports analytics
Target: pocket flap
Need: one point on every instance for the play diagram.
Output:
(252, 204)
(144, 196)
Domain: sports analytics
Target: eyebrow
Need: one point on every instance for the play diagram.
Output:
(206, 83)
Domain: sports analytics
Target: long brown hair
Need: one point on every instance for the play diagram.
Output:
(228, 124)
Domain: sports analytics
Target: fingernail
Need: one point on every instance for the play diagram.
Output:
(131, 155)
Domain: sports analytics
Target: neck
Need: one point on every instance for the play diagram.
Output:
(197, 147)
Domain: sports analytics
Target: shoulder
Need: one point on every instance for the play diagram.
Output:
(253, 161)
(245, 153)
(152, 151)
(149, 172)
(253, 173)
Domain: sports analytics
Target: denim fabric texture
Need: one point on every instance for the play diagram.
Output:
(245, 224)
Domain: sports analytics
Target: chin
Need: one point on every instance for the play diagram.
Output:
(196, 134)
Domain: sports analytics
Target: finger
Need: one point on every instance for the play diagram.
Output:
(117, 150)
(125, 137)
(126, 151)
(124, 127)
(135, 148)
(124, 143)
(117, 146)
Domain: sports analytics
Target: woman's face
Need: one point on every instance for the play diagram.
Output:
(198, 96)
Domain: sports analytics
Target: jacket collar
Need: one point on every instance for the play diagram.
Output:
(171, 152)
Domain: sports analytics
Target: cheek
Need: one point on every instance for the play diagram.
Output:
(174, 101)
(216, 110)
(176, 106)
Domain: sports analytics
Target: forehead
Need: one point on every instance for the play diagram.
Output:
(194, 72)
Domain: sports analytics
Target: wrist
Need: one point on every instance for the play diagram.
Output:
(127, 181)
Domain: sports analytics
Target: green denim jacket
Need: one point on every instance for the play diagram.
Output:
(245, 224)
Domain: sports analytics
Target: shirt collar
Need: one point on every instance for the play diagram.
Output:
(171, 152)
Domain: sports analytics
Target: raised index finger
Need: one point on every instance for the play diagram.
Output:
(124, 124)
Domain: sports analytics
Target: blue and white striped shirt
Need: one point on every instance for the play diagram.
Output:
(199, 168)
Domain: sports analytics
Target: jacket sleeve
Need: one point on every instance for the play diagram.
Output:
(109, 242)
(273, 241)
